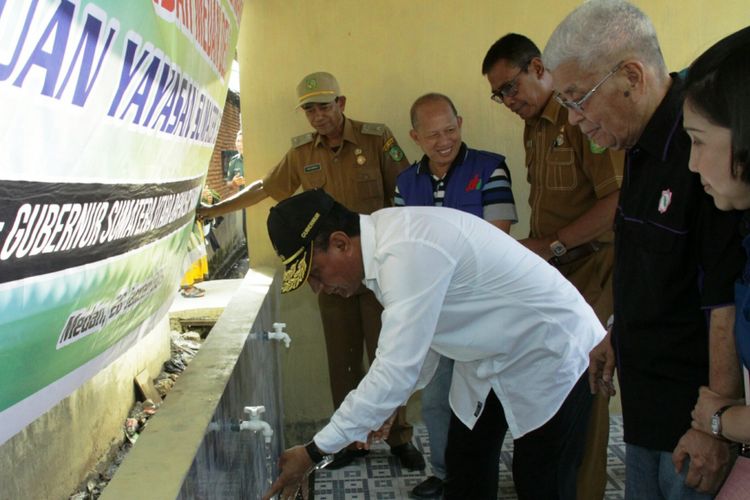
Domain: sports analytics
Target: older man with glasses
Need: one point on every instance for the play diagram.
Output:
(574, 188)
(676, 256)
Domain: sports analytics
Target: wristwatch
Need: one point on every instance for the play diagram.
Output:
(320, 460)
(557, 248)
(716, 421)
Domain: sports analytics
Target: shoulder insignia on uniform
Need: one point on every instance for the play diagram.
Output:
(595, 148)
(388, 144)
(373, 128)
(302, 139)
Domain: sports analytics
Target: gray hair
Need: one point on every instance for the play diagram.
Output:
(601, 33)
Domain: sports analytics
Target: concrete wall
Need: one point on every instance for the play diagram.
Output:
(50, 457)
(385, 53)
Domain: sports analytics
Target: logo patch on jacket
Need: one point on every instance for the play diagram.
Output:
(396, 153)
(665, 200)
(475, 184)
(312, 168)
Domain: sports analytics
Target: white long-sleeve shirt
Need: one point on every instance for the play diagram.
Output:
(452, 284)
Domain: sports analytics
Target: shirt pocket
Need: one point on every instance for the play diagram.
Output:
(561, 171)
(369, 184)
(657, 239)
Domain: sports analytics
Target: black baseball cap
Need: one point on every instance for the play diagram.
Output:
(293, 225)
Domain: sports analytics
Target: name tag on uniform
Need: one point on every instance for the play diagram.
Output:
(312, 168)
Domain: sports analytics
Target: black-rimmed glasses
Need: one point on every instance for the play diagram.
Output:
(577, 106)
(508, 89)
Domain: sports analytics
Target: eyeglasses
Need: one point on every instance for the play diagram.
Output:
(508, 89)
(577, 106)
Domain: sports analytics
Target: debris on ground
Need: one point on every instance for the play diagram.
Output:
(184, 347)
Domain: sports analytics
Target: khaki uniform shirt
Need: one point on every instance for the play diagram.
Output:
(567, 173)
(361, 175)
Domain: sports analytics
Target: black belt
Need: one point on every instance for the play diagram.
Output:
(577, 253)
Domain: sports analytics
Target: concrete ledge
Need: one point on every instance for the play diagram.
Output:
(159, 462)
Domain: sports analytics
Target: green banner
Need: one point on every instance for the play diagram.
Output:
(111, 111)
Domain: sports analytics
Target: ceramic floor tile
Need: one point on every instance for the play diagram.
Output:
(379, 476)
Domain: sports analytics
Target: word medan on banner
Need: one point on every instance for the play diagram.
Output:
(84, 322)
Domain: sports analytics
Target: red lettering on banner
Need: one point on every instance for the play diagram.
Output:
(205, 21)
(167, 5)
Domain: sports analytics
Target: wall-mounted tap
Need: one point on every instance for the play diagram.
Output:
(255, 424)
(278, 333)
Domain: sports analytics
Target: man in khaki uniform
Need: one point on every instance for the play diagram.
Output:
(356, 163)
(575, 185)
(235, 175)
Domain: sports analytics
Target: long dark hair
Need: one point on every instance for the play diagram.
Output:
(718, 87)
